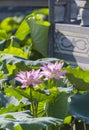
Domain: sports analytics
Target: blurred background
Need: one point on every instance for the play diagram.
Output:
(9, 8)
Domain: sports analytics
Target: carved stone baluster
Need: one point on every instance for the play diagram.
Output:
(74, 10)
(59, 11)
(83, 11)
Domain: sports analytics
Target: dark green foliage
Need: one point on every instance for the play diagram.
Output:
(79, 107)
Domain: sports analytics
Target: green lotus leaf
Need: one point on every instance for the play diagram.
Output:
(79, 107)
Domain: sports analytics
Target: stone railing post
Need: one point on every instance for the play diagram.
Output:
(74, 10)
(59, 10)
(83, 11)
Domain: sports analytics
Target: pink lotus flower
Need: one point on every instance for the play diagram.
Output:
(29, 78)
(53, 70)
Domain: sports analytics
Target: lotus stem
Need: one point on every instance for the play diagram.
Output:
(84, 125)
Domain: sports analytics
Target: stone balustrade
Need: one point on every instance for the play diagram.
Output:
(79, 11)
(71, 39)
